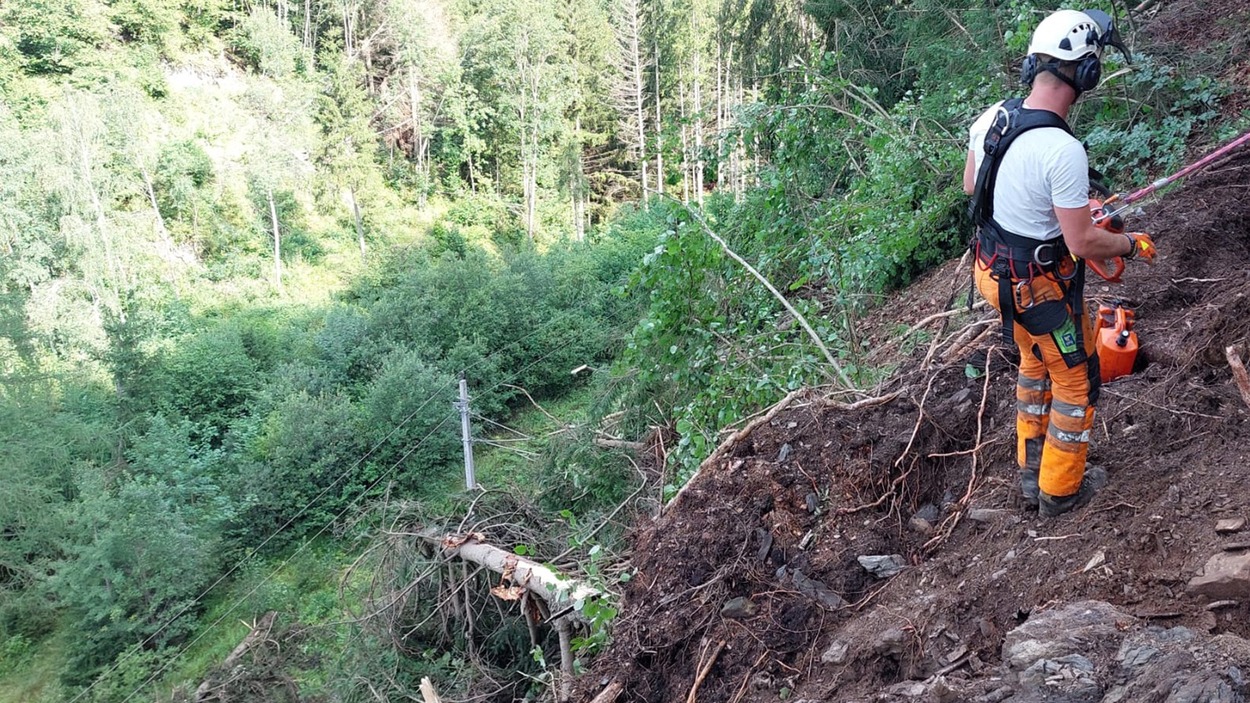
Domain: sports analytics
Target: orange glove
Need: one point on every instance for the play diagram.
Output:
(1143, 247)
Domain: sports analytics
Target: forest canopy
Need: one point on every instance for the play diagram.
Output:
(247, 248)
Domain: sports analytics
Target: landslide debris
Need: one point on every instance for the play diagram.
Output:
(775, 576)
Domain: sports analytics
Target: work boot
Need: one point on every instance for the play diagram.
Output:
(1054, 506)
(1028, 487)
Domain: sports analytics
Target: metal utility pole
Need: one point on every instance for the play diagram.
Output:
(470, 480)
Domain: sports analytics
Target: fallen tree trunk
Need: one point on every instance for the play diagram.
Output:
(260, 631)
(519, 574)
(620, 444)
(428, 694)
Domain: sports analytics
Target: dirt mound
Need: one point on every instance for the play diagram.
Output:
(751, 587)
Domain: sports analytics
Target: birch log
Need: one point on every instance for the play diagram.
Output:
(556, 589)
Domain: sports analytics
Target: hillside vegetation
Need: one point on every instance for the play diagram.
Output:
(248, 248)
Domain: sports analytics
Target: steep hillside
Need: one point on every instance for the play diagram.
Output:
(751, 586)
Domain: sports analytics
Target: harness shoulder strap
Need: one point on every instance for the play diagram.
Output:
(1012, 120)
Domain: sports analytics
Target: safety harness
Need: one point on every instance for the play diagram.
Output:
(1015, 260)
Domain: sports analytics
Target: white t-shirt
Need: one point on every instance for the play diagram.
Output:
(1045, 168)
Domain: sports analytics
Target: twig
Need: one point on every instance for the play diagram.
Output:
(553, 418)
(833, 363)
(738, 436)
(865, 403)
(1121, 504)
(1239, 372)
(1056, 538)
(985, 394)
(958, 348)
(694, 690)
(745, 680)
(609, 694)
(1198, 280)
(919, 420)
(886, 494)
(1160, 407)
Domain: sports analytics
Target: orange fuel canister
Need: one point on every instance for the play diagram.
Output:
(1117, 342)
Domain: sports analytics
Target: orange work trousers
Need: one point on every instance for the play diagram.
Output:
(1054, 401)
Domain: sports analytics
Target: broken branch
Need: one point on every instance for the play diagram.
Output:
(694, 690)
(1239, 373)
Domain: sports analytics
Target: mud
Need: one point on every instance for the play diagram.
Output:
(820, 486)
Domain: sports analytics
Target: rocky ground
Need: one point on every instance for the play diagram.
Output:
(878, 553)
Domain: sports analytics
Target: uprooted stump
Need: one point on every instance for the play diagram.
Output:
(760, 554)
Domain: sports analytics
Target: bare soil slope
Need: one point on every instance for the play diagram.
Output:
(749, 588)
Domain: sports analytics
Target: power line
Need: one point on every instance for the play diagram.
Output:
(301, 548)
(238, 602)
(342, 476)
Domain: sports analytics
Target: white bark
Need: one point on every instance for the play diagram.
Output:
(659, 132)
(360, 226)
(277, 241)
(556, 589)
(629, 30)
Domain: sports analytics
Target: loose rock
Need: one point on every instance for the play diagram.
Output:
(1233, 524)
(882, 566)
(1226, 576)
(837, 653)
(986, 514)
(738, 608)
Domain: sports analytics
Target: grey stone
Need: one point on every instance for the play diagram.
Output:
(817, 591)
(837, 653)
(784, 453)
(892, 642)
(928, 512)
(882, 565)
(1232, 524)
(1132, 656)
(813, 503)
(986, 514)
(1068, 679)
(738, 608)
(1077, 628)
(920, 525)
(998, 695)
(908, 689)
(1226, 576)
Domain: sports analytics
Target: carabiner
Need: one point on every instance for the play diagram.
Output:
(1020, 299)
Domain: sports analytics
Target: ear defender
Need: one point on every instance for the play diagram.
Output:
(1028, 69)
(1088, 73)
(1085, 78)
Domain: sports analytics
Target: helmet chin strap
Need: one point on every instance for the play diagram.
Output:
(1053, 68)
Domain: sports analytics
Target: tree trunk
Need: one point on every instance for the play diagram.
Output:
(722, 75)
(428, 694)
(360, 226)
(308, 25)
(156, 210)
(698, 131)
(686, 175)
(633, 59)
(558, 591)
(579, 186)
(277, 241)
(260, 632)
(659, 131)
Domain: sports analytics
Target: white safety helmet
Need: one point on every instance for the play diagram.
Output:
(1067, 35)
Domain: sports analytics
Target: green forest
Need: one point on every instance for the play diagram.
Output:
(248, 247)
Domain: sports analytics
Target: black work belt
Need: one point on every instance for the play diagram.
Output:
(1014, 262)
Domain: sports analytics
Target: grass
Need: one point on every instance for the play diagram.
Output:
(305, 589)
(33, 675)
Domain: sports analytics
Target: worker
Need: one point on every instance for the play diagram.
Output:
(1029, 179)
